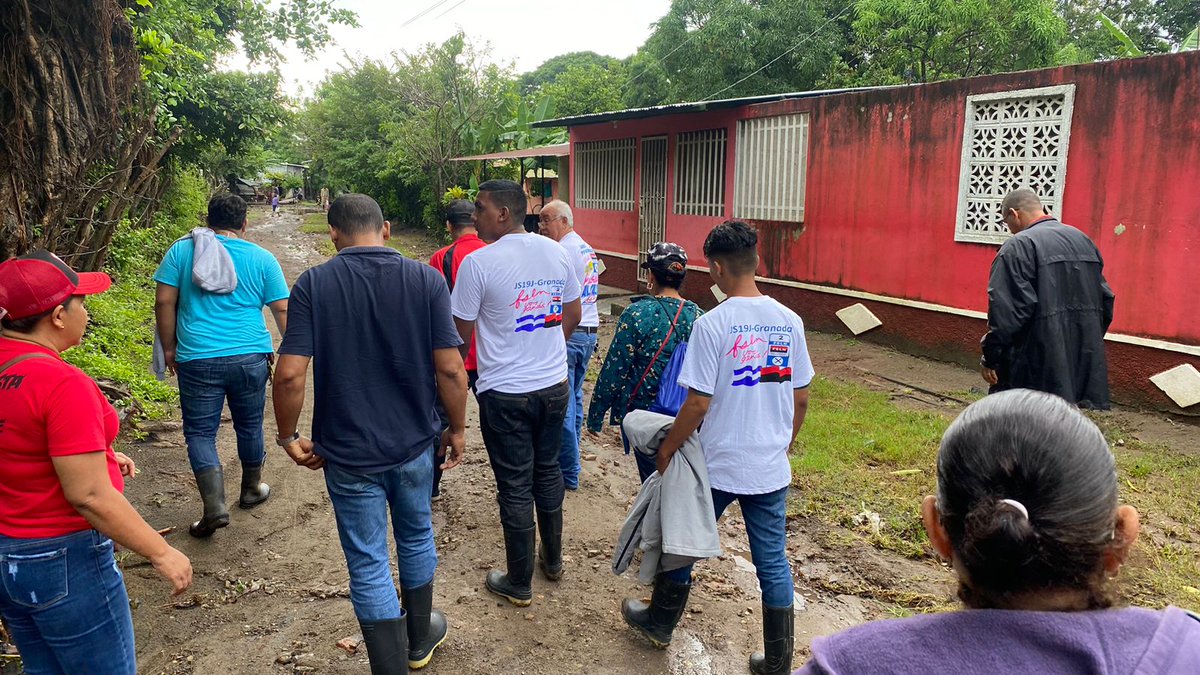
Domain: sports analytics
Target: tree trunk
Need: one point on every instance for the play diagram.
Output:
(75, 132)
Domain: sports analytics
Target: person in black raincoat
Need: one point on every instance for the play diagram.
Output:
(1048, 308)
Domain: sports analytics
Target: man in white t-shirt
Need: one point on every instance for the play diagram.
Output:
(557, 222)
(747, 372)
(519, 296)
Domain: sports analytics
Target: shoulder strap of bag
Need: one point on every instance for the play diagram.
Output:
(448, 265)
(23, 357)
(661, 347)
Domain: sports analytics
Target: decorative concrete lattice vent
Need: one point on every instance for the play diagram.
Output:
(1181, 383)
(858, 318)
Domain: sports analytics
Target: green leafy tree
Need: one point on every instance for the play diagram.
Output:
(1150, 26)
(926, 40)
(448, 92)
(703, 49)
(555, 66)
(587, 89)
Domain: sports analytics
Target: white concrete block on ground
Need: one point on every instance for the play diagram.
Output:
(858, 318)
(1181, 383)
(716, 291)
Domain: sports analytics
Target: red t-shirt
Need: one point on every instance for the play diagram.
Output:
(464, 245)
(48, 408)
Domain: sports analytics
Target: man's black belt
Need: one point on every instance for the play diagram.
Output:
(589, 330)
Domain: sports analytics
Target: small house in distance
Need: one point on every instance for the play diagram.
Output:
(890, 197)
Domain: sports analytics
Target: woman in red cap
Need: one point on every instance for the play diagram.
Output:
(61, 506)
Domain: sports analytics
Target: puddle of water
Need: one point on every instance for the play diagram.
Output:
(742, 565)
(687, 655)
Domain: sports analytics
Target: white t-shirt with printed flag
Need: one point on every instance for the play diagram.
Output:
(750, 355)
(514, 291)
(589, 276)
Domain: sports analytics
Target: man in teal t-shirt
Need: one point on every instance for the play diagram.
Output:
(219, 346)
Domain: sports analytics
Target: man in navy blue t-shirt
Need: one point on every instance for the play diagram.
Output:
(378, 329)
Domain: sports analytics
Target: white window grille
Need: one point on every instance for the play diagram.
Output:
(1011, 139)
(604, 174)
(772, 153)
(700, 173)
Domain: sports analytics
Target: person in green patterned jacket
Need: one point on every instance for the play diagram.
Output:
(628, 379)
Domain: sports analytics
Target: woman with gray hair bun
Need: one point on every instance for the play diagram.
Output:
(1028, 516)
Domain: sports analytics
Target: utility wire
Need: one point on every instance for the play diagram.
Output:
(425, 11)
(794, 48)
(682, 43)
(452, 8)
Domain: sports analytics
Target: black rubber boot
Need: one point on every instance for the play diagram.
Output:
(657, 620)
(516, 585)
(254, 491)
(779, 639)
(211, 483)
(427, 627)
(550, 551)
(387, 646)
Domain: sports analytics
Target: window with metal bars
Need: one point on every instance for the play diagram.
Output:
(1011, 139)
(604, 175)
(770, 165)
(700, 173)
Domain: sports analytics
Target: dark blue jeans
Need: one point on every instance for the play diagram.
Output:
(204, 386)
(522, 433)
(64, 600)
(361, 505)
(766, 525)
(580, 347)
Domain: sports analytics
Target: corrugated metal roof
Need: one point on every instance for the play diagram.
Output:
(558, 150)
(697, 106)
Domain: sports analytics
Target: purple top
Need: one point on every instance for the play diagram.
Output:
(1129, 641)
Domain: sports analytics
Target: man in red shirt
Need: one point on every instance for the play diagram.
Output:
(460, 223)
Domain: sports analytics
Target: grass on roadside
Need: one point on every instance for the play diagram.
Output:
(412, 243)
(860, 454)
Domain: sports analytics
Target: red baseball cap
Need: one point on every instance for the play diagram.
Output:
(39, 281)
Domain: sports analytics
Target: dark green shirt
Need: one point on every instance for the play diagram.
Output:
(640, 332)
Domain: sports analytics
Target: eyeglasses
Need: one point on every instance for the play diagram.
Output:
(546, 220)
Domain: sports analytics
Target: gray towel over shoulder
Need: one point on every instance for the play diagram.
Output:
(212, 270)
(672, 520)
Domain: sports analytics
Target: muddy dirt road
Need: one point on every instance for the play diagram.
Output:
(270, 593)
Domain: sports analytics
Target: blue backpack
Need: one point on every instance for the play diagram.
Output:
(671, 396)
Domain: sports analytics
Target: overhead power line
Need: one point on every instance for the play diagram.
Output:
(425, 11)
(794, 48)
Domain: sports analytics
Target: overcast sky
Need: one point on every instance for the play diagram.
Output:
(524, 32)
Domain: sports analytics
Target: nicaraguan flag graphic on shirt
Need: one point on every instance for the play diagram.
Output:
(527, 323)
(746, 376)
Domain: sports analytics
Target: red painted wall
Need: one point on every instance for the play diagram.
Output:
(882, 189)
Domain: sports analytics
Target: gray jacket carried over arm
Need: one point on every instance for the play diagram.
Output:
(672, 520)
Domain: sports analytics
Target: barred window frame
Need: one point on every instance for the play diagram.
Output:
(991, 167)
(771, 168)
(700, 164)
(604, 174)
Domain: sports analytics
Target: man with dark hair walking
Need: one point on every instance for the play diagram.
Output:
(747, 372)
(378, 329)
(1048, 308)
(213, 336)
(519, 296)
(460, 224)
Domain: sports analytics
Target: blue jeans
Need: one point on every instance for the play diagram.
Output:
(64, 600)
(766, 525)
(580, 347)
(204, 385)
(361, 503)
